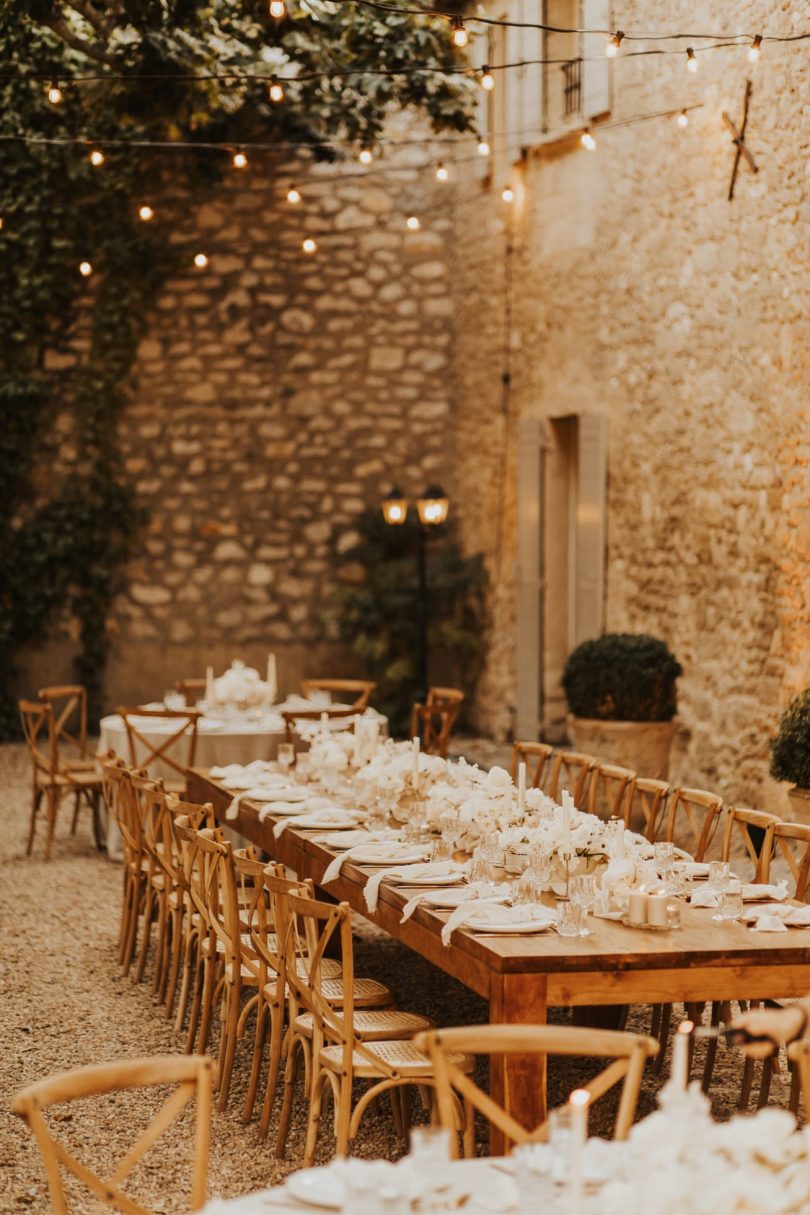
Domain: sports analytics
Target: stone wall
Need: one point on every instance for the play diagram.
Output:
(641, 293)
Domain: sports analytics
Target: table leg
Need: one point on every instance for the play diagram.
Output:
(518, 1082)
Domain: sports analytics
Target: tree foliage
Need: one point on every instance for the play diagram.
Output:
(622, 677)
(790, 749)
(67, 516)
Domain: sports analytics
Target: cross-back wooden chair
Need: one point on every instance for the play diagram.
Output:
(192, 690)
(537, 757)
(51, 776)
(130, 822)
(156, 842)
(628, 1052)
(193, 1077)
(791, 843)
(571, 770)
(176, 749)
(693, 816)
(799, 1059)
(337, 1056)
(645, 807)
(358, 689)
(113, 768)
(609, 790)
(69, 703)
(758, 848)
(180, 815)
(293, 716)
(433, 721)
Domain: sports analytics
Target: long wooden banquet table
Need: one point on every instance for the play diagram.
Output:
(522, 977)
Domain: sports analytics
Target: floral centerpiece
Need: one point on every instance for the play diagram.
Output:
(240, 687)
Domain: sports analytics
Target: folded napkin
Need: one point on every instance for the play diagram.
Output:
(376, 852)
(496, 918)
(274, 809)
(756, 890)
(707, 897)
(437, 869)
(346, 839)
(458, 895)
(794, 917)
(242, 776)
(334, 817)
(768, 923)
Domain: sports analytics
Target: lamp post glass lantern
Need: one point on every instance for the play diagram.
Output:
(432, 509)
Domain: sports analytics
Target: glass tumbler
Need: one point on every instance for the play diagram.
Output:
(570, 920)
(480, 866)
(718, 874)
(285, 756)
(731, 900)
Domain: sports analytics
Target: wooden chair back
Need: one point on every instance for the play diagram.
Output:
(113, 768)
(693, 816)
(609, 790)
(277, 889)
(446, 1047)
(177, 748)
(433, 721)
(792, 843)
(292, 716)
(571, 770)
(192, 690)
(359, 689)
(538, 758)
(193, 1076)
(40, 736)
(69, 704)
(134, 783)
(799, 1056)
(738, 825)
(647, 802)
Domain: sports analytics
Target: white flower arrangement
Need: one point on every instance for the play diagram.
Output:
(241, 686)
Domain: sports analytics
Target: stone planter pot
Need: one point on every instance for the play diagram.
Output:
(642, 746)
(799, 804)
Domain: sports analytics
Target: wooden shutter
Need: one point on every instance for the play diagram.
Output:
(595, 15)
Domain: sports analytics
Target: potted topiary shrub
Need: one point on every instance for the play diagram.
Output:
(622, 699)
(790, 754)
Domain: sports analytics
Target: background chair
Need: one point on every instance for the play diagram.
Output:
(537, 757)
(69, 703)
(176, 748)
(193, 690)
(293, 716)
(645, 807)
(193, 1076)
(609, 789)
(433, 721)
(52, 777)
(355, 691)
(693, 816)
(571, 770)
(629, 1053)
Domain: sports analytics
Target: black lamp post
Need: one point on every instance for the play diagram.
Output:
(432, 508)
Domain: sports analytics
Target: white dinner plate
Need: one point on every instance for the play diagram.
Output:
(494, 920)
(317, 1188)
(383, 853)
(450, 899)
(285, 795)
(322, 819)
(441, 879)
(344, 839)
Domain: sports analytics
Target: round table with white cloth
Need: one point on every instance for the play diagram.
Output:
(223, 737)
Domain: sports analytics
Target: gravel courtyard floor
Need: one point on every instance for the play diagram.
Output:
(64, 1004)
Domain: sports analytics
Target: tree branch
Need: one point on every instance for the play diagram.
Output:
(69, 36)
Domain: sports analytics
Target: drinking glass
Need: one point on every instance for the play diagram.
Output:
(430, 1145)
(480, 866)
(582, 890)
(731, 900)
(531, 1164)
(449, 827)
(570, 920)
(540, 864)
(441, 851)
(412, 832)
(718, 874)
(490, 846)
(561, 1143)
(664, 858)
(285, 756)
(677, 881)
(527, 890)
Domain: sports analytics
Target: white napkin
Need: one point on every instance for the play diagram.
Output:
(428, 869)
(754, 890)
(274, 809)
(259, 771)
(316, 818)
(477, 890)
(768, 923)
(707, 897)
(391, 847)
(794, 917)
(494, 917)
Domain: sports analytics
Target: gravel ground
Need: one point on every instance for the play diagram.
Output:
(64, 1005)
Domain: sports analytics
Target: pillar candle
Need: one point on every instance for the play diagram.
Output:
(680, 1055)
(567, 806)
(209, 685)
(416, 763)
(637, 907)
(272, 679)
(522, 788)
(657, 910)
(578, 1104)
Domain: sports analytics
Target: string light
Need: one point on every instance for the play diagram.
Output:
(460, 35)
(239, 160)
(55, 94)
(412, 223)
(96, 158)
(85, 269)
(276, 89)
(755, 49)
(508, 194)
(682, 120)
(200, 260)
(293, 195)
(487, 79)
(2, 223)
(309, 245)
(483, 148)
(587, 140)
(442, 172)
(614, 46)
(278, 9)
(691, 60)
(146, 213)
(365, 156)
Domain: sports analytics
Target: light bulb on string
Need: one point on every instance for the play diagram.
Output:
(442, 172)
(55, 94)
(487, 79)
(412, 223)
(614, 45)
(483, 148)
(683, 120)
(85, 269)
(145, 213)
(755, 49)
(200, 260)
(293, 195)
(278, 9)
(239, 160)
(691, 60)
(365, 156)
(460, 35)
(508, 194)
(276, 90)
(309, 245)
(2, 223)
(587, 140)
(96, 158)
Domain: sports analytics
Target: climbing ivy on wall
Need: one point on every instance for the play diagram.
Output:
(68, 519)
